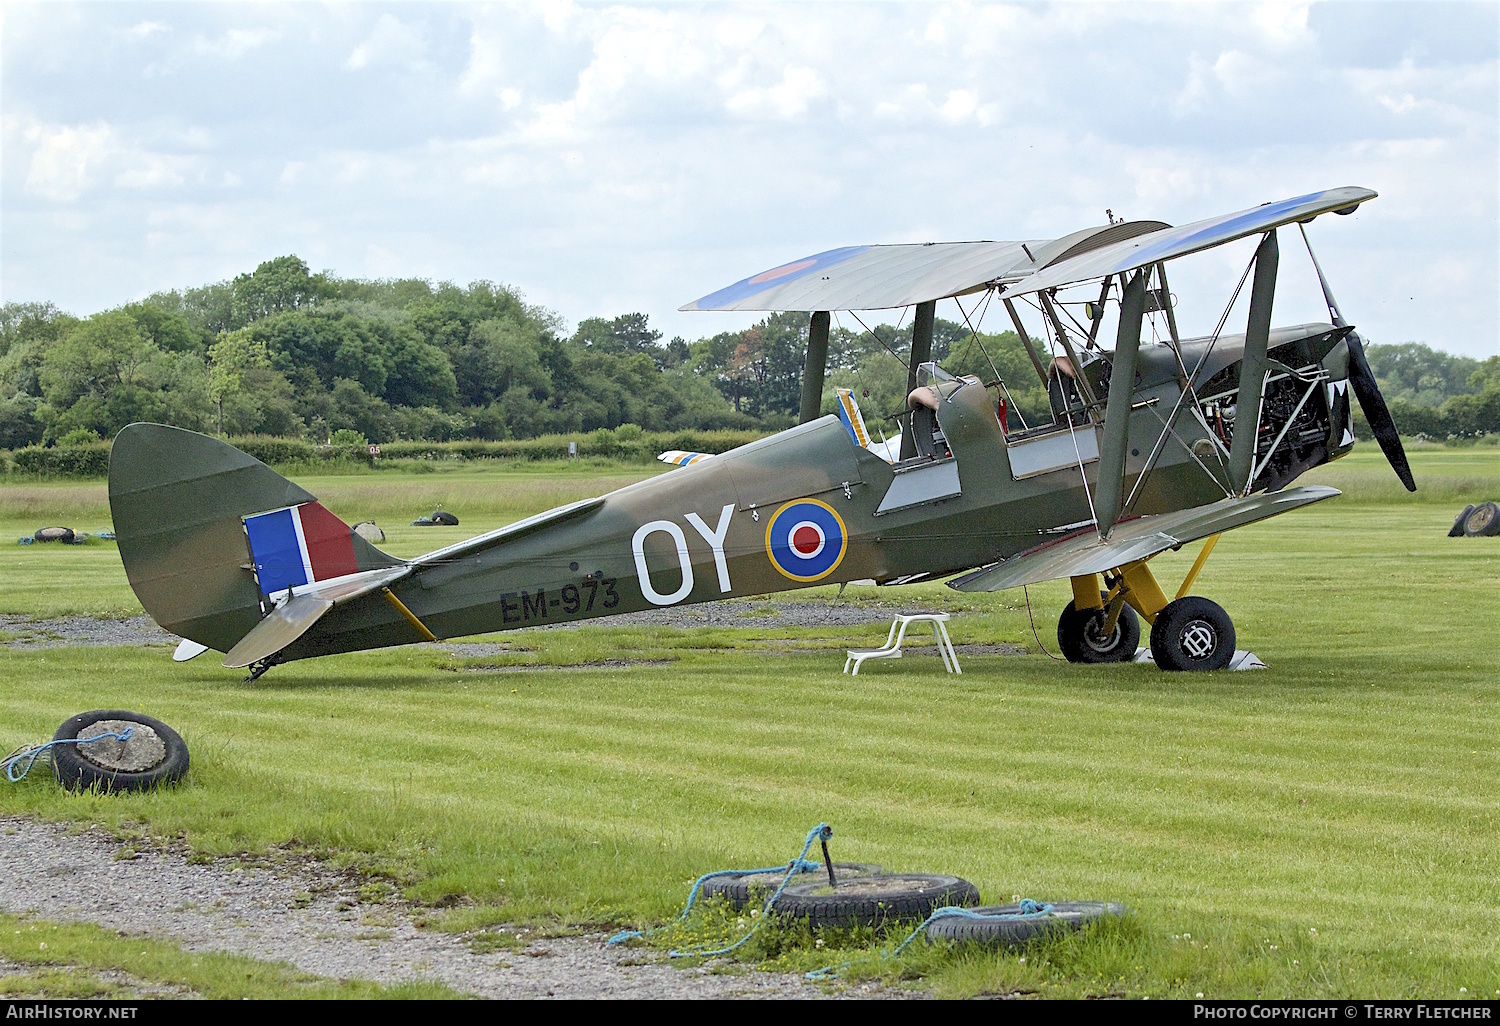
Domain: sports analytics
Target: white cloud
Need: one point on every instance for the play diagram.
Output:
(609, 158)
(235, 43)
(67, 159)
(146, 29)
(390, 42)
(785, 99)
(153, 171)
(1283, 22)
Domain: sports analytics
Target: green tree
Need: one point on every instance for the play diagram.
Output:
(228, 360)
(500, 354)
(27, 332)
(626, 334)
(105, 374)
(18, 422)
(1419, 374)
(99, 357)
(168, 330)
(277, 286)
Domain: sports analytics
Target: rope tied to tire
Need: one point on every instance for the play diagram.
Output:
(818, 834)
(1029, 910)
(30, 753)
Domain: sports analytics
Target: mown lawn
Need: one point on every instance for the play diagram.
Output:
(1324, 828)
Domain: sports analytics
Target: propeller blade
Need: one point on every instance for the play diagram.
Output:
(1362, 379)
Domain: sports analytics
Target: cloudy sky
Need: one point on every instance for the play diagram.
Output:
(606, 158)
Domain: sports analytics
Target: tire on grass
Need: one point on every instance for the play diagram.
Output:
(873, 900)
(1483, 521)
(1457, 530)
(58, 534)
(1080, 635)
(740, 888)
(444, 518)
(1003, 926)
(1192, 633)
(155, 753)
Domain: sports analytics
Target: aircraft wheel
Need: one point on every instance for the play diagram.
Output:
(1483, 521)
(1192, 633)
(1081, 638)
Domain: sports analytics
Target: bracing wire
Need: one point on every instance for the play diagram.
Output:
(974, 337)
(1190, 390)
(869, 331)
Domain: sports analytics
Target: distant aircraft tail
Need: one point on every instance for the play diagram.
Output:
(210, 536)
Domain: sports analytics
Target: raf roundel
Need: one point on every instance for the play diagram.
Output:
(806, 540)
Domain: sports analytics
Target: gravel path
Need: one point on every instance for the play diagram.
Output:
(310, 915)
(763, 614)
(83, 630)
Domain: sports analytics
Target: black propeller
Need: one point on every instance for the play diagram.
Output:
(1362, 380)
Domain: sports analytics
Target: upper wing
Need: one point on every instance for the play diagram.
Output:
(890, 276)
(1170, 243)
(1083, 552)
(873, 277)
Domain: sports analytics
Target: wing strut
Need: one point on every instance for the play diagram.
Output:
(921, 352)
(1111, 487)
(1253, 366)
(814, 365)
(1079, 377)
(1036, 361)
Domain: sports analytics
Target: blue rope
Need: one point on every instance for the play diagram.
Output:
(1029, 910)
(821, 832)
(30, 753)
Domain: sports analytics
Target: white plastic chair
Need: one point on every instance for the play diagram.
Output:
(892, 647)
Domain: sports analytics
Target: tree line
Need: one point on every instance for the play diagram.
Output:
(285, 352)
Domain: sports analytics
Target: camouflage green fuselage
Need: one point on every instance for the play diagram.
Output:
(694, 534)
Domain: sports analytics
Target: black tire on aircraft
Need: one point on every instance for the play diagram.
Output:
(873, 900)
(1192, 633)
(1483, 521)
(156, 755)
(444, 518)
(1079, 636)
(738, 889)
(60, 534)
(1003, 926)
(1457, 530)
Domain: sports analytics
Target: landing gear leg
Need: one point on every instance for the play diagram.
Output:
(258, 669)
(1106, 631)
(1187, 632)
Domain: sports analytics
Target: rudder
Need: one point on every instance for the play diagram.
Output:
(179, 501)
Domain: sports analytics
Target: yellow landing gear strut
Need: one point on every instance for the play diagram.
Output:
(1133, 583)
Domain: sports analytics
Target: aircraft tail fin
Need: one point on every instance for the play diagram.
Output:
(209, 534)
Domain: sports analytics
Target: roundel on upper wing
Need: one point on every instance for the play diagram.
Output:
(806, 540)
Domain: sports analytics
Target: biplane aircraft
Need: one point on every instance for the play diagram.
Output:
(1152, 444)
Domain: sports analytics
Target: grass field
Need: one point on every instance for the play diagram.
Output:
(1328, 827)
